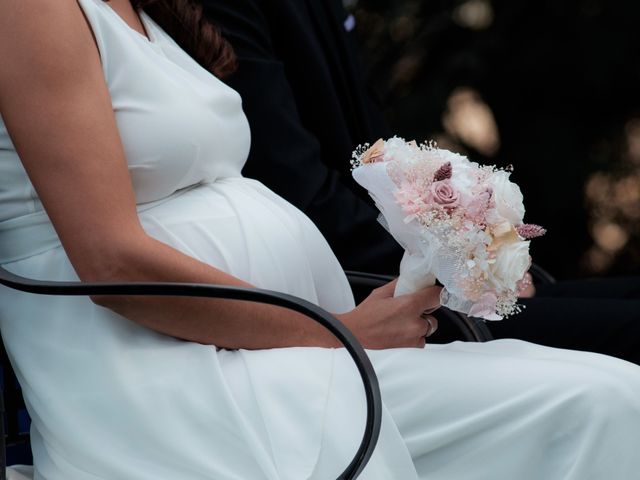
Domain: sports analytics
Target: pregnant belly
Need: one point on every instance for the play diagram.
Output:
(239, 226)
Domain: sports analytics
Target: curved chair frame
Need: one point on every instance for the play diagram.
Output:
(540, 275)
(473, 329)
(328, 321)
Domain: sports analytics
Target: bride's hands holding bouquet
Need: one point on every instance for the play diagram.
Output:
(459, 222)
(383, 321)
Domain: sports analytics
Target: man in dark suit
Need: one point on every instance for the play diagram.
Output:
(308, 107)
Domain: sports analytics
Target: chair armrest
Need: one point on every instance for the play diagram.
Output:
(473, 329)
(365, 279)
(324, 318)
(540, 275)
(3, 450)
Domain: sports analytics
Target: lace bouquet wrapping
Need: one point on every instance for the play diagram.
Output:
(459, 222)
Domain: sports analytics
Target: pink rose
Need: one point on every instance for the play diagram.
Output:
(444, 194)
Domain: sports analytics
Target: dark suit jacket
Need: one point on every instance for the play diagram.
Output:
(308, 107)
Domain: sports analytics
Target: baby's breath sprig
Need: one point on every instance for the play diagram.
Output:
(507, 305)
(356, 156)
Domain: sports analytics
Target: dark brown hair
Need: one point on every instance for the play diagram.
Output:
(185, 22)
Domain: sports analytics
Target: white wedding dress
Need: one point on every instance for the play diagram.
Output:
(112, 400)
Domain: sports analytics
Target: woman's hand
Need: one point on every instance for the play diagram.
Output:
(382, 321)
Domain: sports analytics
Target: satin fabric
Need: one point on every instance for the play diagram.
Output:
(113, 400)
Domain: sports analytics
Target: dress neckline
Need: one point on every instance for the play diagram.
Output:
(149, 35)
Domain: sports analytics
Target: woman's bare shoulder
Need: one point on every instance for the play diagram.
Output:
(52, 36)
(56, 106)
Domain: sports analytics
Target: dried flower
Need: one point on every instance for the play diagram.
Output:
(530, 230)
(375, 153)
(444, 194)
(443, 173)
(503, 234)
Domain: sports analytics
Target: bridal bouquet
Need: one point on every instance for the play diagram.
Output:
(459, 222)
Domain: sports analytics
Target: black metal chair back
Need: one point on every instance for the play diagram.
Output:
(328, 321)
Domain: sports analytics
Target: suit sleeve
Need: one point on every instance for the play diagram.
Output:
(287, 157)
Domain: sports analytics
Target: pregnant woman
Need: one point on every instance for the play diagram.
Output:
(120, 160)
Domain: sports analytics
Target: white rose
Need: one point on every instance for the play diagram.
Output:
(463, 170)
(508, 198)
(511, 263)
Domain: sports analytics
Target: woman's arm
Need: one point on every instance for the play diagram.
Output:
(56, 105)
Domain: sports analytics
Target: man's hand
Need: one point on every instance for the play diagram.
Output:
(526, 288)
